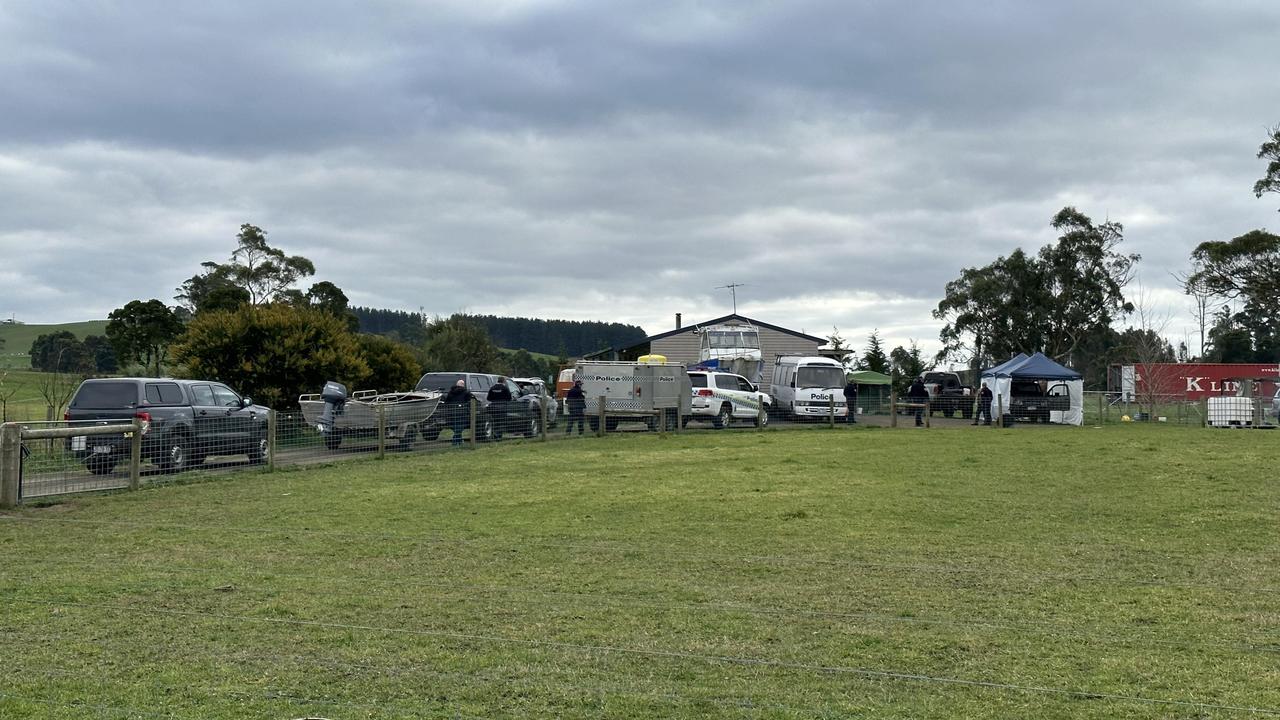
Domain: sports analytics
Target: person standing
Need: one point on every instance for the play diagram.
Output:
(576, 402)
(851, 402)
(918, 395)
(984, 405)
(457, 404)
(499, 409)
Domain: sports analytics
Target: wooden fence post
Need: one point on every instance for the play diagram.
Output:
(600, 420)
(382, 431)
(271, 440)
(475, 431)
(831, 411)
(1000, 409)
(928, 412)
(10, 463)
(135, 456)
(546, 417)
(893, 407)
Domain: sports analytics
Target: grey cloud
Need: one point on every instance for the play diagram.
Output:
(562, 160)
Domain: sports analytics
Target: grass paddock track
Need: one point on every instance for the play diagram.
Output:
(1038, 572)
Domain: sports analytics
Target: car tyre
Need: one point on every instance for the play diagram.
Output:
(100, 465)
(332, 440)
(534, 428)
(722, 418)
(260, 453)
(762, 420)
(175, 458)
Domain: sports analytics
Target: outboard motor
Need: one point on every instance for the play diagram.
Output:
(335, 399)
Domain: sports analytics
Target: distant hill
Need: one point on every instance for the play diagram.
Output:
(18, 338)
(550, 337)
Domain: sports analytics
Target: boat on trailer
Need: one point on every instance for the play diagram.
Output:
(402, 416)
(732, 347)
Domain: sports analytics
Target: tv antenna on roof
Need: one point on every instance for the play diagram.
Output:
(733, 291)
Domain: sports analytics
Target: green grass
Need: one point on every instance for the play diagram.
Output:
(18, 339)
(26, 402)
(1035, 572)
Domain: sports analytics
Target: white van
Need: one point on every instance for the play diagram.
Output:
(803, 386)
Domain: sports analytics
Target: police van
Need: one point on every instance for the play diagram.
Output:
(804, 386)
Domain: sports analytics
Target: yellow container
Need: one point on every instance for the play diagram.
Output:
(652, 359)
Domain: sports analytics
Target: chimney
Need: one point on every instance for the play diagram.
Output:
(677, 321)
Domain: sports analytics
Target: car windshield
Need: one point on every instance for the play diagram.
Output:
(439, 381)
(820, 377)
(106, 395)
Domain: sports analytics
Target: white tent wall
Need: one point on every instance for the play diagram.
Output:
(1074, 415)
(1000, 395)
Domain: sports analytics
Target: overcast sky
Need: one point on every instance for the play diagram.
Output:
(619, 161)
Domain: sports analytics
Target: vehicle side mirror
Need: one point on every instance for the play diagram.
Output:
(246, 402)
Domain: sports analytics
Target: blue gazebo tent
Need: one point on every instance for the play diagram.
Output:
(1037, 367)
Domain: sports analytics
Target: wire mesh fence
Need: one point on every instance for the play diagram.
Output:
(1103, 408)
(45, 458)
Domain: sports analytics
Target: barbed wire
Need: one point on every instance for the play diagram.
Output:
(676, 654)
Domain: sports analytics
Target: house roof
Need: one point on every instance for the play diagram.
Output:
(735, 316)
(707, 323)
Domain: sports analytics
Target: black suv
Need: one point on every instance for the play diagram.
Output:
(183, 422)
(522, 415)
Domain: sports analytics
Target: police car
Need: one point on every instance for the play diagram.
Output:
(720, 397)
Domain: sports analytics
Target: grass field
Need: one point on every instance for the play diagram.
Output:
(1036, 572)
(21, 388)
(18, 338)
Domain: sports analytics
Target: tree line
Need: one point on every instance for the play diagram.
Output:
(570, 338)
(246, 322)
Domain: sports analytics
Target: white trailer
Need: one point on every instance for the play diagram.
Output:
(648, 392)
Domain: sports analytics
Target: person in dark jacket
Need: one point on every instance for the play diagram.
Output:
(499, 409)
(984, 405)
(576, 401)
(457, 404)
(918, 394)
(851, 402)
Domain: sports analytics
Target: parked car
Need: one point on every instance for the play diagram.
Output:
(1030, 401)
(538, 388)
(522, 415)
(720, 397)
(948, 395)
(184, 421)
